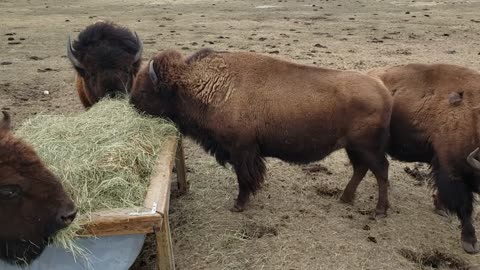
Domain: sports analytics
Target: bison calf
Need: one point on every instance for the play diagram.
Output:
(433, 121)
(33, 203)
(106, 58)
(243, 107)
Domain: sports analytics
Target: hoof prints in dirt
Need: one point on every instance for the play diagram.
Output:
(434, 259)
(325, 190)
(419, 174)
(317, 168)
(253, 230)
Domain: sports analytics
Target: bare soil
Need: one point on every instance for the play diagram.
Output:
(296, 220)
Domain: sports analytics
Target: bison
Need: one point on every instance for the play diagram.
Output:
(33, 203)
(435, 120)
(244, 107)
(106, 58)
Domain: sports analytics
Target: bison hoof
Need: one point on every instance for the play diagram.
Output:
(379, 214)
(237, 208)
(347, 199)
(471, 248)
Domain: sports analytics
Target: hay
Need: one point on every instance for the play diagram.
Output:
(103, 156)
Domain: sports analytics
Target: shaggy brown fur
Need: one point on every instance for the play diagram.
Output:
(33, 203)
(106, 58)
(243, 107)
(433, 122)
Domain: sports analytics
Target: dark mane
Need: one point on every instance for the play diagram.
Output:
(109, 44)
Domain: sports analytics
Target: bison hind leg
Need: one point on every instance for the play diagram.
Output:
(359, 171)
(250, 169)
(363, 160)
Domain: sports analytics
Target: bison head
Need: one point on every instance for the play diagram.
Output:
(155, 88)
(33, 203)
(106, 58)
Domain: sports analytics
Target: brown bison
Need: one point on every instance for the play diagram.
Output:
(243, 107)
(434, 121)
(33, 203)
(106, 58)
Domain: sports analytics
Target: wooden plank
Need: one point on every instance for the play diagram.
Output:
(181, 169)
(165, 259)
(158, 195)
(121, 222)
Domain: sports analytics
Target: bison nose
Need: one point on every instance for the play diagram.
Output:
(67, 216)
(113, 93)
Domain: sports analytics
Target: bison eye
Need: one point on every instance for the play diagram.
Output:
(8, 192)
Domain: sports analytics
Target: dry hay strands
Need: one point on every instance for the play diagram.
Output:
(104, 156)
(434, 259)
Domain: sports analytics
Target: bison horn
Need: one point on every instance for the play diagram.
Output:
(151, 72)
(138, 55)
(5, 123)
(472, 160)
(71, 55)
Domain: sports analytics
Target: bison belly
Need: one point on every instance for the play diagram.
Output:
(300, 150)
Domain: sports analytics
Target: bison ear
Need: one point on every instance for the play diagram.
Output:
(5, 122)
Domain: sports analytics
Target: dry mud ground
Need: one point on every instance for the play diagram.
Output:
(296, 221)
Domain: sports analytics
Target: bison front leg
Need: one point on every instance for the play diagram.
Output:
(439, 207)
(468, 236)
(456, 196)
(250, 170)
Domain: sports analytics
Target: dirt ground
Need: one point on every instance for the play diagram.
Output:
(295, 221)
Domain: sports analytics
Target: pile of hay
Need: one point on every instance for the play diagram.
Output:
(103, 156)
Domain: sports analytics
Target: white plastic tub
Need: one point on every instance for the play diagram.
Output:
(105, 253)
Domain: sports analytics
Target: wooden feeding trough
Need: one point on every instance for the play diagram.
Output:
(115, 237)
(153, 216)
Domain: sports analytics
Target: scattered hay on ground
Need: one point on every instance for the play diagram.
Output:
(103, 156)
(434, 259)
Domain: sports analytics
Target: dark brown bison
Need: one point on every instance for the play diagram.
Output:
(106, 58)
(434, 121)
(243, 107)
(33, 203)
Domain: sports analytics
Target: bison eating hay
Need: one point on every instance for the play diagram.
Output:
(435, 120)
(106, 58)
(243, 107)
(104, 156)
(33, 203)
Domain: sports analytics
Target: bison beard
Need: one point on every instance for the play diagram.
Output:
(230, 103)
(21, 252)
